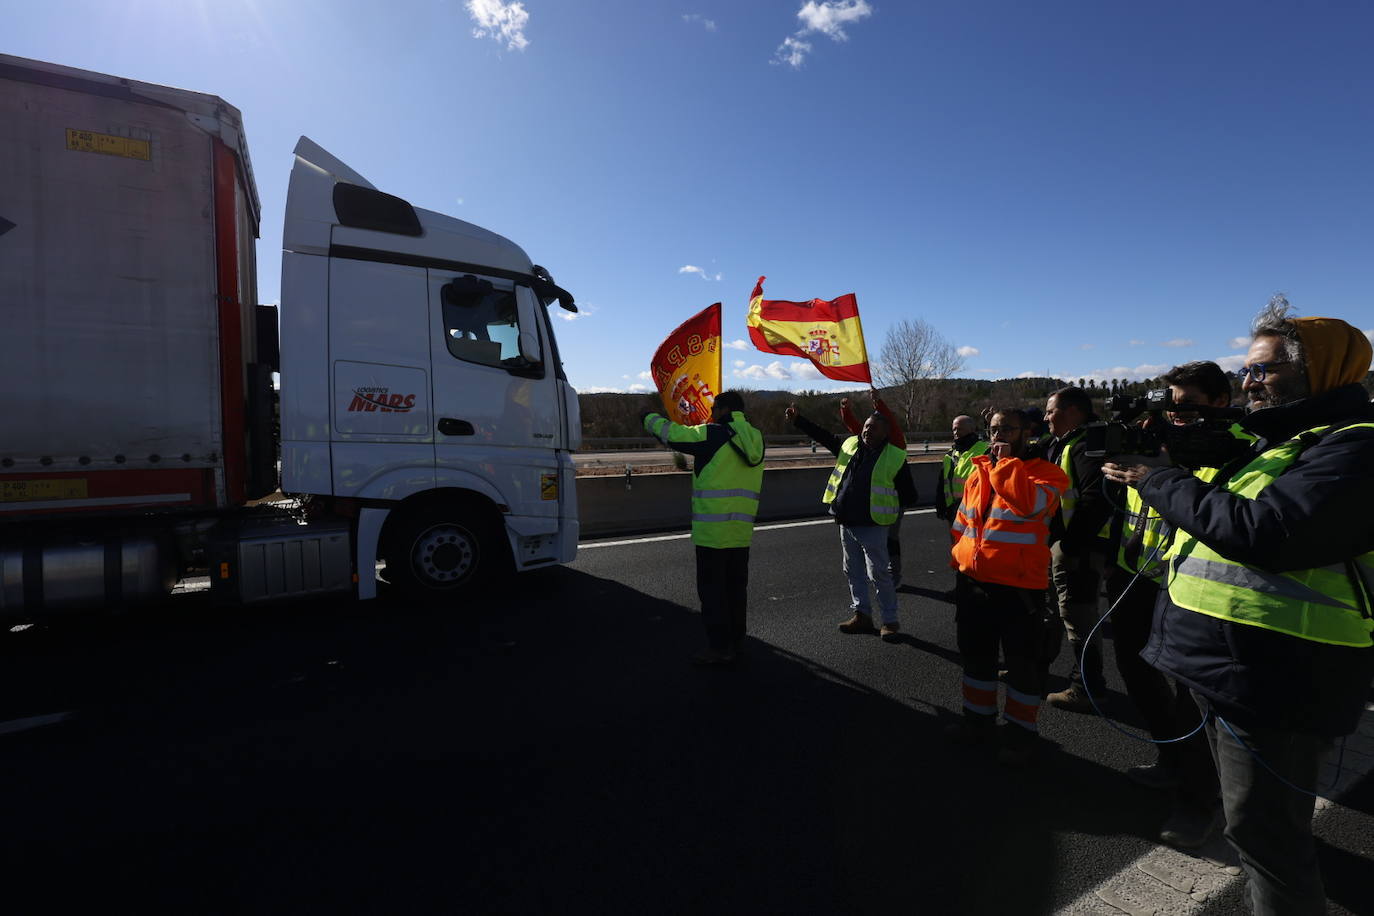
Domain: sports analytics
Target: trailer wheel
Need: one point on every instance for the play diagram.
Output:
(433, 556)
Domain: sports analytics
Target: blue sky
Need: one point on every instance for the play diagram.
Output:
(1075, 189)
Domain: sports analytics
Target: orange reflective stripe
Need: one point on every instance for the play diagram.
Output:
(1023, 714)
(980, 696)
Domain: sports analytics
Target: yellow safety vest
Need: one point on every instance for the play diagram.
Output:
(955, 469)
(1070, 497)
(725, 492)
(1329, 604)
(1155, 533)
(883, 503)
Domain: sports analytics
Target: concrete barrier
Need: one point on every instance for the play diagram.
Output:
(663, 502)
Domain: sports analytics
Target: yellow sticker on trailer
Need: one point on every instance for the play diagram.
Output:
(23, 491)
(548, 486)
(88, 141)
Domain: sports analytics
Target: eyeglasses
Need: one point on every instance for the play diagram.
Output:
(1258, 371)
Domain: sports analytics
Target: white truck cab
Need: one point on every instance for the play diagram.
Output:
(420, 378)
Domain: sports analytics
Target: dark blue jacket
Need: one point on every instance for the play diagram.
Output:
(852, 503)
(1317, 513)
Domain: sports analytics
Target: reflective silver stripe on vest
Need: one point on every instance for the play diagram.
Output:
(1257, 581)
(1010, 516)
(1070, 493)
(886, 510)
(884, 491)
(1042, 498)
(960, 529)
(724, 494)
(969, 511)
(722, 517)
(1010, 537)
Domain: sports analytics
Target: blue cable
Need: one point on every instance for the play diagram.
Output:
(1340, 759)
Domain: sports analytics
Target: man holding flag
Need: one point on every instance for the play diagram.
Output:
(726, 477)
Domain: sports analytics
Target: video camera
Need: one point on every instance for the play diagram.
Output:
(1206, 442)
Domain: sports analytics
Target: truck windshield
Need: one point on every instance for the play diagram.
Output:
(481, 323)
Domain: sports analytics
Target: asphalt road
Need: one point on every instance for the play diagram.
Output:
(550, 751)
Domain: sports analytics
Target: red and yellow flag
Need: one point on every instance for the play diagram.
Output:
(686, 368)
(827, 332)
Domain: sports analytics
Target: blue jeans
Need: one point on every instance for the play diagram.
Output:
(865, 558)
(1269, 823)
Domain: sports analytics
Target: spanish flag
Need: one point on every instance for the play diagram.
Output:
(826, 332)
(686, 368)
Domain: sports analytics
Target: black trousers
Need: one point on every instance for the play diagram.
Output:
(1015, 620)
(1168, 713)
(723, 587)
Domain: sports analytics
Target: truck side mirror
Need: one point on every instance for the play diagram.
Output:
(529, 347)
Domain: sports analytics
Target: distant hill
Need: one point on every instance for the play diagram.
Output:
(613, 415)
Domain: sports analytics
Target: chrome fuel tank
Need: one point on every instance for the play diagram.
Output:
(58, 574)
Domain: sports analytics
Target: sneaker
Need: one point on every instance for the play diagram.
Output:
(970, 731)
(1189, 827)
(859, 623)
(891, 632)
(1073, 699)
(1154, 776)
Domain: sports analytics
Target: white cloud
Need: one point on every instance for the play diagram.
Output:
(806, 371)
(583, 311)
(1137, 343)
(740, 364)
(699, 271)
(1231, 363)
(638, 387)
(1029, 375)
(737, 345)
(708, 24)
(968, 351)
(1241, 343)
(1177, 342)
(792, 52)
(501, 21)
(599, 389)
(829, 18)
(774, 370)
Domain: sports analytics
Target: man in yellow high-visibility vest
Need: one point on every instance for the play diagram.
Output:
(727, 479)
(1267, 612)
(1141, 538)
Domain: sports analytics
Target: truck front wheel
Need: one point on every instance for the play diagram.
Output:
(436, 556)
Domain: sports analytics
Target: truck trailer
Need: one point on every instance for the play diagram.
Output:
(404, 407)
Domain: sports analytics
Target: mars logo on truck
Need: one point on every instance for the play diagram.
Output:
(379, 398)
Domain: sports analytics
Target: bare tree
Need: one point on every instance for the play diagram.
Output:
(913, 359)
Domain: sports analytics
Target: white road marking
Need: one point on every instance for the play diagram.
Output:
(22, 725)
(679, 537)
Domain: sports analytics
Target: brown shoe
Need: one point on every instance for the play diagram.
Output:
(859, 623)
(1073, 699)
(890, 632)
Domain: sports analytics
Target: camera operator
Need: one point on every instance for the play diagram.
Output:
(1265, 612)
(1077, 545)
(1132, 590)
